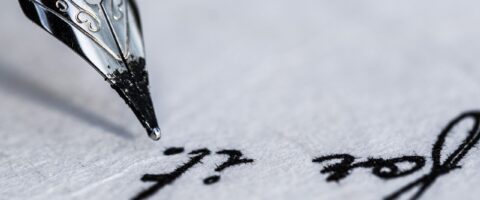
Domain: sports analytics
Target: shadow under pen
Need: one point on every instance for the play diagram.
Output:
(21, 85)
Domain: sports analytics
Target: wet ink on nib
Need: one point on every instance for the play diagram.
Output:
(110, 40)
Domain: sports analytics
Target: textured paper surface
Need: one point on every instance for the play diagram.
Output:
(282, 81)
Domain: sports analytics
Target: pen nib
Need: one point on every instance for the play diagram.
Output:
(132, 86)
(108, 35)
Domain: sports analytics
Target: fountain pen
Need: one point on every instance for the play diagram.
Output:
(108, 35)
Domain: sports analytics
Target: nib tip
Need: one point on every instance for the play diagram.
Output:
(155, 134)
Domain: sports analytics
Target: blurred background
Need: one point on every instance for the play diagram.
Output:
(250, 74)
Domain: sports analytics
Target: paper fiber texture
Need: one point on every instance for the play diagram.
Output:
(284, 82)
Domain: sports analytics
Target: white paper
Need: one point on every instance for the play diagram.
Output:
(282, 81)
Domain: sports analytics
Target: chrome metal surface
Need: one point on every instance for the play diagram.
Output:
(108, 35)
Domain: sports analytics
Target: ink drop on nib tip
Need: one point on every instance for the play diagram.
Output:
(114, 48)
(155, 134)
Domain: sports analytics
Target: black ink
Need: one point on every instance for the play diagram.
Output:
(383, 168)
(211, 180)
(165, 179)
(451, 163)
(133, 88)
(234, 158)
(173, 151)
(339, 170)
(389, 168)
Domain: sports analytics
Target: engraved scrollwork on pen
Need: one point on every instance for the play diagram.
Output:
(86, 17)
(62, 5)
